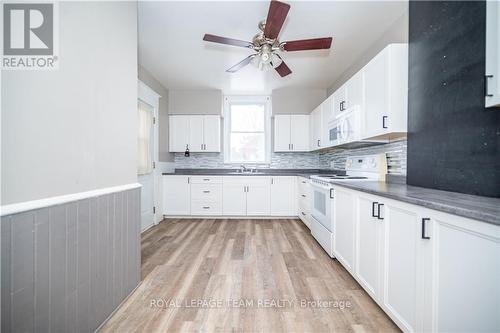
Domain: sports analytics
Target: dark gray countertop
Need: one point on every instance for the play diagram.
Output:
(475, 207)
(262, 172)
(472, 206)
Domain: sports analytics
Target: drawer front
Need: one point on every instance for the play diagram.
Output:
(305, 217)
(199, 207)
(206, 179)
(206, 192)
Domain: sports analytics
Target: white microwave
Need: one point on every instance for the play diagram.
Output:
(345, 128)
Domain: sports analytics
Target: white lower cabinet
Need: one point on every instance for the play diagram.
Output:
(368, 245)
(304, 200)
(429, 271)
(234, 197)
(258, 196)
(462, 275)
(282, 196)
(344, 216)
(176, 195)
(402, 271)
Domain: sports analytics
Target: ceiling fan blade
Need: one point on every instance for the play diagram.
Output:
(283, 69)
(275, 18)
(227, 41)
(308, 44)
(241, 64)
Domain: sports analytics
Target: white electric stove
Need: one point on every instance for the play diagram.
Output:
(358, 168)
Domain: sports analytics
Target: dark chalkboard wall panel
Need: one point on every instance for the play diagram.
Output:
(453, 140)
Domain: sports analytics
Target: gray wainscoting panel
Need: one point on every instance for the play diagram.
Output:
(65, 268)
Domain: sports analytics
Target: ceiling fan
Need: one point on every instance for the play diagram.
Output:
(266, 43)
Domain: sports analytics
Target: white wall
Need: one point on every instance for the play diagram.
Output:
(153, 83)
(397, 33)
(195, 102)
(74, 129)
(297, 100)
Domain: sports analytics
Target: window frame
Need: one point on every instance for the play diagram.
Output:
(230, 100)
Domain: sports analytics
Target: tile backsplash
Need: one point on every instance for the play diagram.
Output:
(395, 151)
(330, 159)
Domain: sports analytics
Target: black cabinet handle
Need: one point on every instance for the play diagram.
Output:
(424, 219)
(303, 195)
(303, 213)
(206, 191)
(384, 118)
(486, 77)
(373, 209)
(378, 212)
(318, 143)
(331, 193)
(206, 207)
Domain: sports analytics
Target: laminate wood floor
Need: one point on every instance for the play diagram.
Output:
(218, 275)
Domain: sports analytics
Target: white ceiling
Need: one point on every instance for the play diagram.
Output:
(171, 46)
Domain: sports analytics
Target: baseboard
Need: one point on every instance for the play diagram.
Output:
(230, 217)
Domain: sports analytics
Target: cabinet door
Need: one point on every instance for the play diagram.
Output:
(315, 128)
(178, 133)
(354, 90)
(463, 275)
(402, 265)
(211, 133)
(196, 133)
(344, 224)
(376, 84)
(367, 247)
(299, 132)
(259, 197)
(283, 196)
(176, 195)
(282, 133)
(326, 112)
(234, 199)
(493, 53)
(339, 101)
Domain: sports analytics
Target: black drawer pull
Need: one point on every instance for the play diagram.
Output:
(384, 118)
(423, 228)
(206, 179)
(373, 209)
(303, 195)
(206, 191)
(206, 207)
(303, 213)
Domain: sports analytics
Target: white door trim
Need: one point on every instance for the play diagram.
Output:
(149, 96)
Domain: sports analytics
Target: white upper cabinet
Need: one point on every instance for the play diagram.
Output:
(200, 133)
(211, 133)
(291, 133)
(492, 53)
(317, 129)
(178, 133)
(354, 91)
(282, 196)
(339, 101)
(386, 93)
(196, 133)
(299, 132)
(282, 131)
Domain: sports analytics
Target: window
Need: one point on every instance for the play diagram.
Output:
(247, 129)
